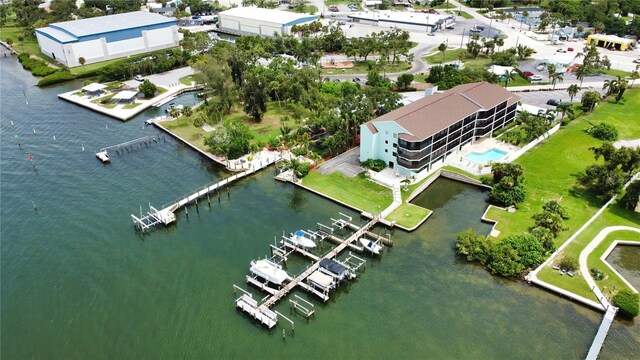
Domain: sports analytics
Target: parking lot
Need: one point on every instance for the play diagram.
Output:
(540, 98)
(347, 163)
(569, 78)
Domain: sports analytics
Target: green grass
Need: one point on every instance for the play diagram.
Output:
(341, 2)
(30, 44)
(357, 191)
(420, 78)
(106, 98)
(362, 67)
(482, 62)
(184, 129)
(551, 168)
(614, 72)
(131, 106)
(449, 55)
(408, 215)
(520, 81)
(187, 80)
(307, 9)
(465, 14)
(611, 281)
(92, 68)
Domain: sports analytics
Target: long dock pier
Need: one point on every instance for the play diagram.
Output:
(128, 145)
(603, 330)
(166, 215)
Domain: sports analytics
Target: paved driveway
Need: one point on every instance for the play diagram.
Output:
(166, 79)
(346, 163)
(539, 98)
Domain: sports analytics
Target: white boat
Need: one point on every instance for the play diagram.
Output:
(103, 156)
(371, 245)
(299, 238)
(269, 271)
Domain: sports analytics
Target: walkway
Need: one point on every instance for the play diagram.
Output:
(603, 330)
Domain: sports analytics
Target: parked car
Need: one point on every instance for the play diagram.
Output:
(527, 74)
(138, 78)
(637, 61)
(570, 49)
(355, 80)
(534, 78)
(449, 27)
(553, 102)
(561, 50)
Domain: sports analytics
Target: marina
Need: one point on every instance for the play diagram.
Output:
(321, 277)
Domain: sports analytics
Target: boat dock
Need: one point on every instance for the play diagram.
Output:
(167, 214)
(129, 145)
(263, 312)
(603, 330)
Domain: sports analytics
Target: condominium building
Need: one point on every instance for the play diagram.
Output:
(418, 136)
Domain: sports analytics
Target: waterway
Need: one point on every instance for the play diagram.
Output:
(626, 260)
(78, 282)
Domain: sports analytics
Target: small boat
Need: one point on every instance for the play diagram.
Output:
(335, 269)
(298, 238)
(322, 281)
(371, 245)
(269, 271)
(103, 156)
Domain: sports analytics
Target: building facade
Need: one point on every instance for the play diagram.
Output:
(419, 136)
(107, 37)
(259, 21)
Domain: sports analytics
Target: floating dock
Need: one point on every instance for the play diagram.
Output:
(129, 145)
(262, 312)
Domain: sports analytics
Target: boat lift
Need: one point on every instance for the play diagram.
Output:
(302, 306)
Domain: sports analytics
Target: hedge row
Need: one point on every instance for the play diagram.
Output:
(37, 67)
(57, 77)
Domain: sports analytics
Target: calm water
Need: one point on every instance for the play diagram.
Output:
(626, 260)
(78, 282)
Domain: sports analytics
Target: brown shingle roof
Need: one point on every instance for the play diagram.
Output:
(431, 114)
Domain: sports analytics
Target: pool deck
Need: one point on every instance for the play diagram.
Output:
(461, 161)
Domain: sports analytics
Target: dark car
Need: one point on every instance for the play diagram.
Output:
(356, 80)
(527, 74)
(553, 102)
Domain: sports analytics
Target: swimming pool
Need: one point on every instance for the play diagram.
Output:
(492, 154)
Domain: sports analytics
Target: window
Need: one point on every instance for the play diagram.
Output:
(394, 154)
(395, 145)
(386, 141)
(395, 136)
(385, 150)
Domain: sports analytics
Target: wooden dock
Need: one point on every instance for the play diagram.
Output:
(330, 255)
(603, 330)
(166, 215)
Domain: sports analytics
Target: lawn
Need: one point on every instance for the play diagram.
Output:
(102, 101)
(359, 192)
(131, 106)
(187, 80)
(614, 72)
(30, 44)
(614, 215)
(520, 81)
(195, 136)
(362, 67)
(551, 168)
(465, 15)
(449, 55)
(408, 215)
(92, 68)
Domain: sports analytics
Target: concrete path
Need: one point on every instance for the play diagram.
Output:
(584, 267)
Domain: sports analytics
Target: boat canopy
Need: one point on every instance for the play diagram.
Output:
(321, 279)
(333, 266)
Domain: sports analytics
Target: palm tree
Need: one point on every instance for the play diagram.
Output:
(187, 111)
(525, 15)
(565, 108)
(82, 60)
(581, 73)
(556, 77)
(21, 41)
(508, 76)
(499, 42)
(443, 48)
(573, 90)
(635, 74)
(611, 86)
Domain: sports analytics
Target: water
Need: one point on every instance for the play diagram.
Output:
(626, 260)
(77, 282)
(492, 154)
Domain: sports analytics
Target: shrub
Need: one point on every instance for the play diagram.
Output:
(37, 67)
(596, 273)
(631, 196)
(514, 254)
(472, 246)
(627, 302)
(603, 132)
(274, 142)
(375, 165)
(568, 263)
(300, 151)
(56, 77)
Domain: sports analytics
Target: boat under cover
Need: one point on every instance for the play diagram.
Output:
(334, 268)
(269, 271)
(322, 280)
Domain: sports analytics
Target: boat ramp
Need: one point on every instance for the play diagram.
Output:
(318, 279)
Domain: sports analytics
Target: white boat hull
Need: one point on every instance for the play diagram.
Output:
(269, 271)
(371, 246)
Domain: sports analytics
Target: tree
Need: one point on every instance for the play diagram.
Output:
(611, 86)
(568, 263)
(632, 195)
(603, 131)
(573, 90)
(147, 88)
(508, 184)
(523, 51)
(404, 80)
(627, 303)
(590, 99)
(9, 40)
(442, 48)
(82, 60)
(514, 254)
(556, 77)
(62, 10)
(21, 41)
(231, 140)
(581, 73)
(187, 111)
(254, 96)
(565, 108)
(472, 246)
(549, 220)
(545, 237)
(300, 168)
(508, 76)
(635, 74)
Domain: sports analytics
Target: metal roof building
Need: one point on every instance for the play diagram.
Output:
(259, 21)
(420, 135)
(107, 37)
(407, 20)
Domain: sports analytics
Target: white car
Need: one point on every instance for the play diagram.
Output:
(637, 61)
(562, 50)
(535, 78)
(138, 78)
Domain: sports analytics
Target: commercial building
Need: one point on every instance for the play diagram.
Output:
(416, 21)
(420, 135)
(259, 21)
(107, 37)
(611, 42)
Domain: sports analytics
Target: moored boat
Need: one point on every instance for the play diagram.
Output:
(103, 156)
(371, 245)
(299, 238)
(269, 271)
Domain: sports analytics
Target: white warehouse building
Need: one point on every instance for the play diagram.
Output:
(415, 21)
(259, 21)
(107, 37)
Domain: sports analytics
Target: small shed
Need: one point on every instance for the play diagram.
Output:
(125, 96)
(94, 89)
